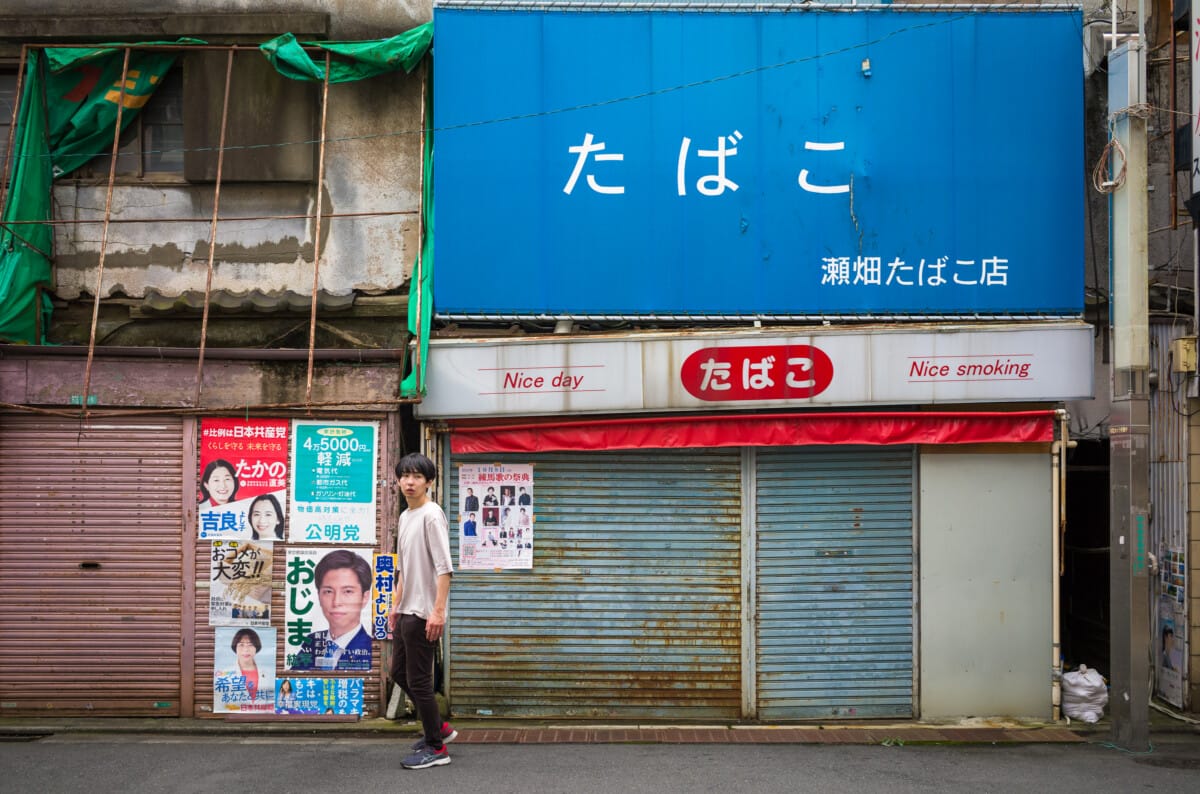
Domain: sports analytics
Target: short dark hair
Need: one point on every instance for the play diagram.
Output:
(344, 558)
(219, 463)
(252, 634)
(417, 463)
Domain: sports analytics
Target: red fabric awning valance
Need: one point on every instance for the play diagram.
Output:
(757, 430)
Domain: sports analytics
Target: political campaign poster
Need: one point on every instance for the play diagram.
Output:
(319, 696)
(333, 482)
(1170, 630)
(495, 516)
(243, 478)
(327, 610)
(244, 670)
(382, 595)
(239, 581)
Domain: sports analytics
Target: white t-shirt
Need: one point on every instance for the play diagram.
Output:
(423, 554)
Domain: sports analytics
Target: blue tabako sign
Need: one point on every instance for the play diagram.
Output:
(724, 163)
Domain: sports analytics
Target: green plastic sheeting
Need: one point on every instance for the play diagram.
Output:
(354, 60)
(420, 291)
(82, 92)
(25, 249)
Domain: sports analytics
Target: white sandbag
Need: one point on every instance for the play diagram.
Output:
(1084, 694)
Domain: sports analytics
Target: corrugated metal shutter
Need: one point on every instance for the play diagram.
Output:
(835, 582)
(90, 566)
(632, 608)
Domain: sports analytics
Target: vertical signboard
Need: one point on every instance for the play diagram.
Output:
(333, 485)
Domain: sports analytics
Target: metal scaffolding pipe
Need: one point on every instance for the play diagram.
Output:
(312, 325)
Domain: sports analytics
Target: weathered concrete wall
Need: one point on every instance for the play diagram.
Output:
(372, 165)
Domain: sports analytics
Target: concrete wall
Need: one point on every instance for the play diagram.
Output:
(372, 165)
(985, 585)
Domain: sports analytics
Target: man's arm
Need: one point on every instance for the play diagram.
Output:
(436, 622)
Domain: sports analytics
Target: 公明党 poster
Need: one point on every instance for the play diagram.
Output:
(328, 608)
(334, 483)
(243, 478)
(240, 583)
(243, 670)
(495, 516)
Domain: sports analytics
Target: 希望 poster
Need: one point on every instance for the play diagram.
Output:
(240, 583)
(328, 602)
(243, 478)
(244, 670)
(495, 516)
(382, 595)
(319, 696)
(333, 482)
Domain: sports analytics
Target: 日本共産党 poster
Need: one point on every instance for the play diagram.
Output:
(333, 482)
(382, 595)
(243, 670)
(319, 696)
(328, 599)
(495, 516)
(243, 478)
(240, 583)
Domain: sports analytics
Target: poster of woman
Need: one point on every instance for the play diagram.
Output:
(243, 479)
(244, 670)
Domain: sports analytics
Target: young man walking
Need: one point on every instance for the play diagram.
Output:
(418, 617)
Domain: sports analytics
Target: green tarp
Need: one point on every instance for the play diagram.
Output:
(25, 249)
(353, 60)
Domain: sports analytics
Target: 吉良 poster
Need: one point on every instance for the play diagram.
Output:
(495, 516)
(328, 607)
(240, 583)
(243, 478)
(243, 670)
(333, 482)
(319, 696)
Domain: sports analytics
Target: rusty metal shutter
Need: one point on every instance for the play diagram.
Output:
(90, 566)
(632, 609)
(835, 582)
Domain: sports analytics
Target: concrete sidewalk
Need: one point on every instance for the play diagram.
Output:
(544, 732)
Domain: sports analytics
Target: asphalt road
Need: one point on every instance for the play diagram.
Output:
(134, 764)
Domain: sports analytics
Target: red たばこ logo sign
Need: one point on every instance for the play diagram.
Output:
(767, 372)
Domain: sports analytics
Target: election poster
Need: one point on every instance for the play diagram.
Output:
(239, 591)
(319, 696)
(495, 516)
(328, 607)
(333, 482)
(244, 670)
(383, 594)
(1170, 638)
(243, 478)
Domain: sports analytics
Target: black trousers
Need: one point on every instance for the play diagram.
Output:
(413, 659)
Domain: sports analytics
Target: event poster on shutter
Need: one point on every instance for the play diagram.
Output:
(495, 516)
(243, 478)
(239, 592)
(244, 670)
(333, 486)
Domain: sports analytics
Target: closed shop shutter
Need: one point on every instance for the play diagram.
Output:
(834, 562)
(90, 566)
(632, 609)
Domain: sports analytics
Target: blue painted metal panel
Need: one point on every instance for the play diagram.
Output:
(835, 583)
(632, 608)
(798, 163)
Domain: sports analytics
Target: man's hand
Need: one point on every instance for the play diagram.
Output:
(435, 625)
(393, 619)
